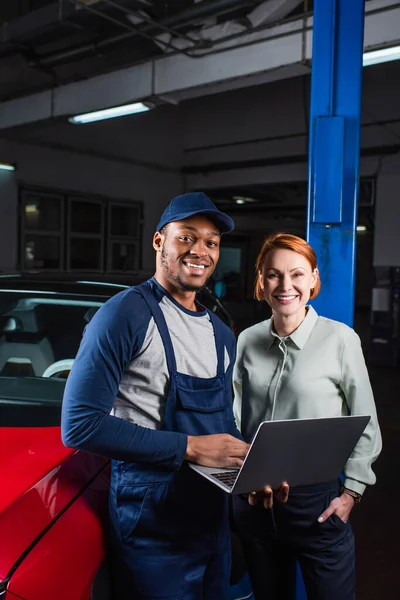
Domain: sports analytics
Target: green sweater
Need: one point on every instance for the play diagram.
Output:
(317, 371)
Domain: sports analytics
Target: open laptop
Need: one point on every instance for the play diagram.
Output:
(299, 451)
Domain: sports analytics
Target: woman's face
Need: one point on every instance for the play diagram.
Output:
(287, 279)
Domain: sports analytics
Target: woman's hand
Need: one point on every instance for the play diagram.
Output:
(341, 506)
(267, 495)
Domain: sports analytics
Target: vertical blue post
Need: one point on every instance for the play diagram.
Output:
(338, 34)
(334, 150)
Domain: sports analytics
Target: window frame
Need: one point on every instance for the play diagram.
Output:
(66, 236)
(25, 232)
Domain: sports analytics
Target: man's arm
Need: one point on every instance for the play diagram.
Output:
(111, 340)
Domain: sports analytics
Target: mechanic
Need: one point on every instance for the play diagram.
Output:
(150, 388)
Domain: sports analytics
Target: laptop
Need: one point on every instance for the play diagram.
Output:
(299, 451)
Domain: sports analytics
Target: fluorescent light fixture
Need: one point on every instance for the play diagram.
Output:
(361, 228)
(375, 57)
(110, 113)
(243, 199)
(6, 167)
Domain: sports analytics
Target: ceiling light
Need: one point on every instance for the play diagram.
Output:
(110, 113)
(6, 167)
(380, 56)
(361, 228)
(243, 199)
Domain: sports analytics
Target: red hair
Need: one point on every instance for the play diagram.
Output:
(285, 241)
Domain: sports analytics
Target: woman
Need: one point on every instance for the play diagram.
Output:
(299, 365)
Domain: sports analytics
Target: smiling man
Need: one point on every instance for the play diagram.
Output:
(188, 251)
(151, 389)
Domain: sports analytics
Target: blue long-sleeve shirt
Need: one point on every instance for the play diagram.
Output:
(112, 398)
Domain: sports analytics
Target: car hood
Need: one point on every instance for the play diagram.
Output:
(27, 455)
(39, 477)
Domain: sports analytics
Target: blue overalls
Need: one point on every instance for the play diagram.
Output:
(170, 533)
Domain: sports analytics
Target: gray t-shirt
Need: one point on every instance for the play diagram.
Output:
(145, 381)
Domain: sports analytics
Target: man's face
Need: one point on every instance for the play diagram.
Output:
(188, 253)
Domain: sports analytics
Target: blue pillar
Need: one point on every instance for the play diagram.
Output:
(334, 150)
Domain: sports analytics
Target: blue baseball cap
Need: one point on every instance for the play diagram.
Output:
(195, 203)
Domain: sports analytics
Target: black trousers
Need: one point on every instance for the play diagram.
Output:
(273, 540)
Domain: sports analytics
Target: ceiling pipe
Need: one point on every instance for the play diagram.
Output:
(15, 34)
(188, 16)
(123, 24)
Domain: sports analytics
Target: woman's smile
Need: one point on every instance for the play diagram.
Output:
(286, 299)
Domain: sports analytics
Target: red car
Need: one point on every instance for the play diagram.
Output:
(53, 501)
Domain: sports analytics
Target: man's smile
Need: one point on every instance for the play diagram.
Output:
(195, 267)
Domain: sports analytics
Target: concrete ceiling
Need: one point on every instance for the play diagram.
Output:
(225, 55)
(51, 42)
(207, 120)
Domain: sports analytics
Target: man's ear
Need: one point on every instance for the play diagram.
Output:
(158, 240)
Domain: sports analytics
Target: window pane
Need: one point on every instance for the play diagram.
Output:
(227, 275)
(42, 213)
(124, 257)
(85, 254)
(42, 252)
(85, 217)
(125, 220)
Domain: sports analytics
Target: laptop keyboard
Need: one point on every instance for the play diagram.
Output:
(227, 477)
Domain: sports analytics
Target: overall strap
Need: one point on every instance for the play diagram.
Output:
(220, 347)
(161, 324)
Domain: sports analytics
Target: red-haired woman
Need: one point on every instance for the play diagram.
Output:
(300, 365)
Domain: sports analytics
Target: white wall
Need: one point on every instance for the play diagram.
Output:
(63, 170)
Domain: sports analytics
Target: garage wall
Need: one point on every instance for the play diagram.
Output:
(263, 131)
(256, 135)
(387, 214)
(271, 121)
(8, 220)
(65, 170)
(262, 122)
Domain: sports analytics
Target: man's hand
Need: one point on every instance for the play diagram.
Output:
(268, 494)
(341, 506)
(217, 450)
